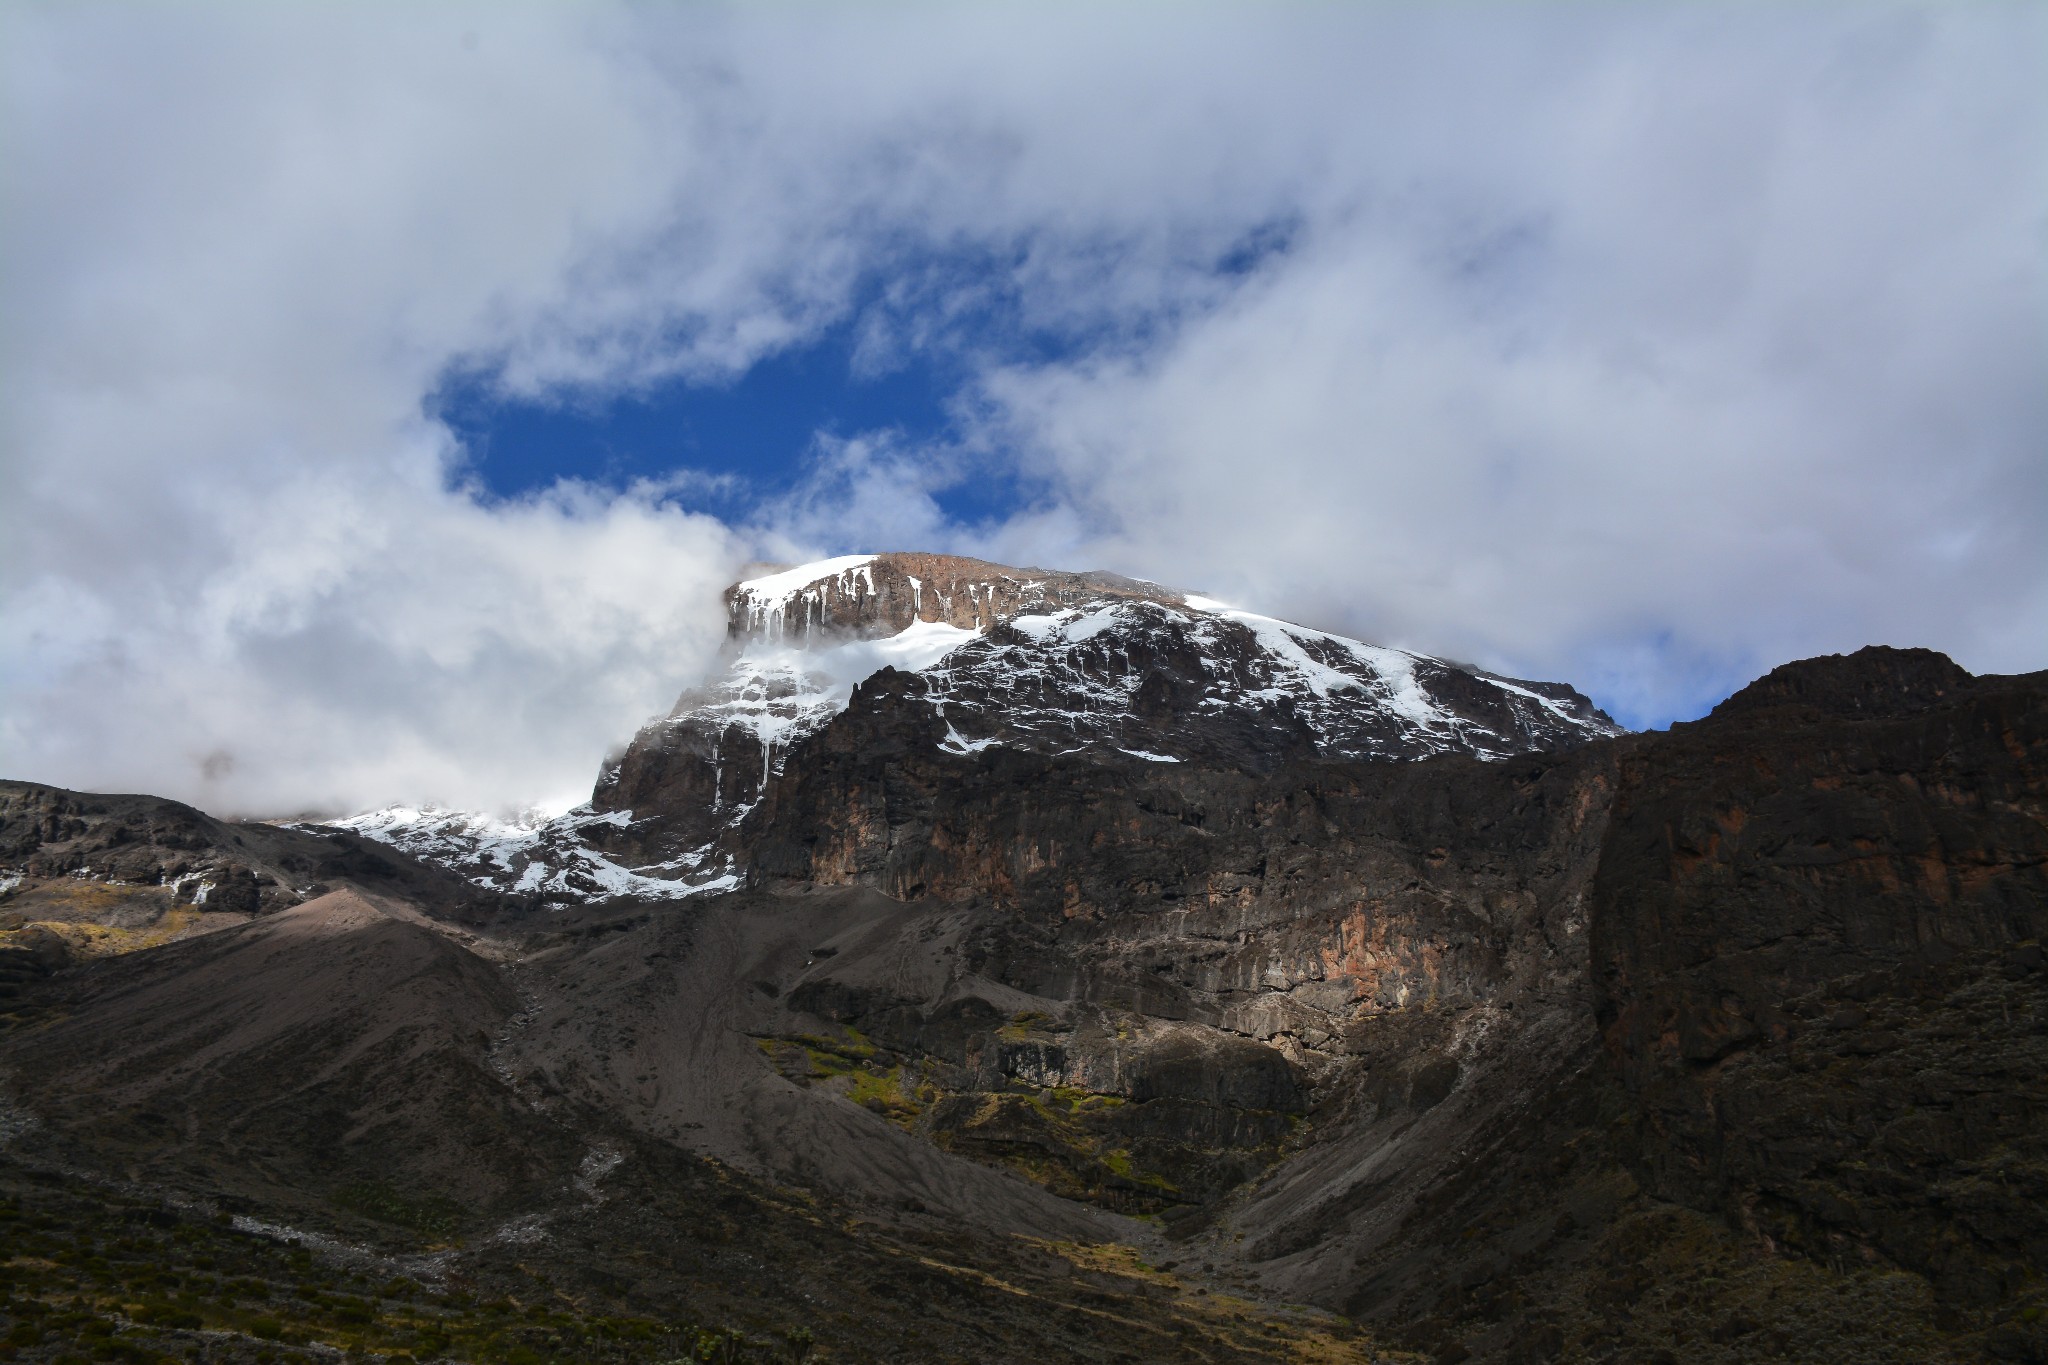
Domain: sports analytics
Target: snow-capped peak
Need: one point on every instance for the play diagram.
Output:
(1058, 663)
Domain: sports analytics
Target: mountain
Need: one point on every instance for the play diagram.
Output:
(1108, 984)
(1020, 659)
(85, 875)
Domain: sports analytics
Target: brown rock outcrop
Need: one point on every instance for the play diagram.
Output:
(881, 595)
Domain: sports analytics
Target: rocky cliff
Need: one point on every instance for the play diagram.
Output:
(1779, 968)
(1816, 949)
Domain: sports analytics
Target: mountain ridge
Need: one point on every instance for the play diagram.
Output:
(1726, 1041)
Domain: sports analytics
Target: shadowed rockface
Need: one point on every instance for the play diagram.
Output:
(1814, 918)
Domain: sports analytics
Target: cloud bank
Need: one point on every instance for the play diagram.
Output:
(1643, 348)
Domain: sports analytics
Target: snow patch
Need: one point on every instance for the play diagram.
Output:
(957, 743)
(529, 853)
(795, 602)
(777, 588)
(1037, 627)
(1091, 625)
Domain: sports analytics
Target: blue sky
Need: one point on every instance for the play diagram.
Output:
(758, 428)
(378, 384)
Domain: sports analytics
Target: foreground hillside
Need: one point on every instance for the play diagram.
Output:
(1175, 1022)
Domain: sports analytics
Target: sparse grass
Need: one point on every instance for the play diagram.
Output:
(100, 919)
(430, 1215)
(847, 1042)
(1084, 1101)
(875, 1080)
(136, 1282)
(1066, 1138)
(1022, 1026)
(883, 1092)
(1235, 1324)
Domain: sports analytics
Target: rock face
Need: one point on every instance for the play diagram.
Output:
(875, 596)
(1780, 967)
(1815, 945)
(1202, 961)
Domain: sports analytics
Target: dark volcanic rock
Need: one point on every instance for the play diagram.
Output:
(1244, 942)
(1791, 950)
(1873, 682)
(1801, 921)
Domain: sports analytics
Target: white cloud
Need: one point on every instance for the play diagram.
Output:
(1638, 347)
(235, 570)
(1716, 344)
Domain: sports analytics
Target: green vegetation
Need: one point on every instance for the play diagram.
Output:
(851, 1063)
(95, 1276)
(1078, 1143)
(1079, 1101)
(884, 1092)
(431, 1216)
(1022, 1027)
(1066, 1140)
